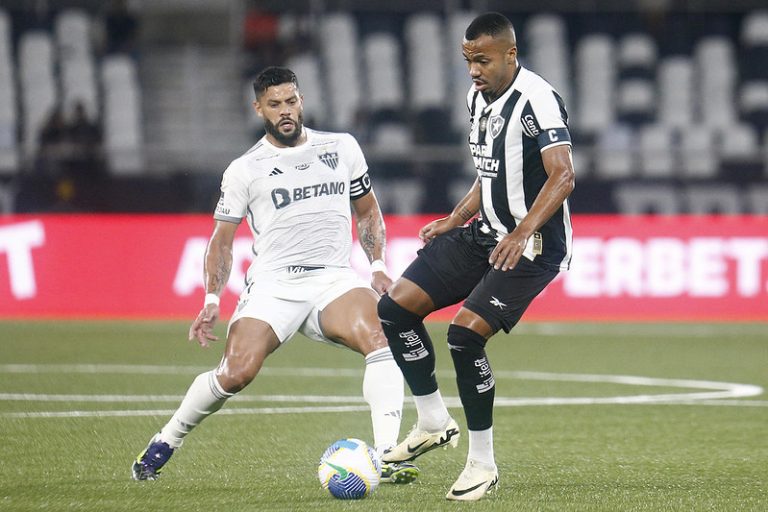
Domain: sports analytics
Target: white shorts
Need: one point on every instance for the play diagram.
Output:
(291, 302)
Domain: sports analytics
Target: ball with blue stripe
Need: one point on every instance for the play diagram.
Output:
(349, 469)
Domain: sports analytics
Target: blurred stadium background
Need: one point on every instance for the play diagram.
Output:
(668, 99)
(136, 107)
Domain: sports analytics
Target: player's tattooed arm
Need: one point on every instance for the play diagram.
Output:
(217, 279)
(371, 231)
(465, 213)
(218, 257)
(469, 204)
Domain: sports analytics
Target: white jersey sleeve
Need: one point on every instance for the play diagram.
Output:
(233, 202)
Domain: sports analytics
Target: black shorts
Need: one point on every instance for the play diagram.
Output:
(454, 266)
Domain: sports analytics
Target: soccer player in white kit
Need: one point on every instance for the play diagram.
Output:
(294, 188)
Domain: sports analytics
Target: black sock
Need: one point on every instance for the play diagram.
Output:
(410, 345)
(473, 376)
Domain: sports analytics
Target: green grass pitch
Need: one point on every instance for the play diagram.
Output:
(589, 417)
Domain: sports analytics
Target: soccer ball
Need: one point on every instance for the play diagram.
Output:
(349, 469)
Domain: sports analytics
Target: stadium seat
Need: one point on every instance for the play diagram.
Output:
(583, 163)
(739, 152)
(712, 199)
(7, 199)
(595, 83)
(425, 48)
(656, 155)
(753, 103)
(716, 83)
(383, 75)
(400, 197)
(546, 51)
(698, 155)
(6, 31)
(636, 101)
(9, 159)
(391, 136)
(754, 43)
(77, 75)
(641, 199)
(754, 29)
(738, 142)
(637, 56)
(36, 84)
(339, 50)
(675, 84)
(615, 153)
(122, 119)
(757, 200)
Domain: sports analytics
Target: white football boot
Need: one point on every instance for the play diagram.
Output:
(418, 442)
(474, 482)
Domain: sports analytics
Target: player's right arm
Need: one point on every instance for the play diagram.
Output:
(463, 212)
(218, 264)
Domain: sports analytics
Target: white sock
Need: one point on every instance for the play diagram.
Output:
(433, 415)
(383, 389)
(204, 397)
(481, 447)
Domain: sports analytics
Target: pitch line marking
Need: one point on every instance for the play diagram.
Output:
(451, 402)
(715, 393)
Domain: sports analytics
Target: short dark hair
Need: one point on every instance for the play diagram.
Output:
(490, 23)
(272, 76)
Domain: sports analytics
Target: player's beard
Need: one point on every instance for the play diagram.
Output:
(286, 140)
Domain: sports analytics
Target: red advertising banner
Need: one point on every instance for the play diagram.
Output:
(151, 266)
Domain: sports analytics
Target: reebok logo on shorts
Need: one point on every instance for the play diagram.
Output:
(496, 302)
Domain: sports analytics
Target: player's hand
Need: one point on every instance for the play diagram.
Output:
(202, 327)
(507, 253)
(434, 228)
(381, 282)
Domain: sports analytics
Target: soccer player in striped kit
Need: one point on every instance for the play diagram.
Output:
(294, 189)
(498, 263)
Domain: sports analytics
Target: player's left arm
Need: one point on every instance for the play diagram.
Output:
(372, 235)
(560, 182)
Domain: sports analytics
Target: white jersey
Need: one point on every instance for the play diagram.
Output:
(296, 200)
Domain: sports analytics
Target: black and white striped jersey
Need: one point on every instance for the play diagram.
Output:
(506, 139)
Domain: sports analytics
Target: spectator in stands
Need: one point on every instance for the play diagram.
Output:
(85, 156)
(51, 143)
(70, 158)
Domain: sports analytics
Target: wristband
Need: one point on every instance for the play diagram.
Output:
(378, 266)
(211, 298)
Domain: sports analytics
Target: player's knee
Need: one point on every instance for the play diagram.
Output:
(393, 314)
(234, 381)
(463, 339)
(234, 374)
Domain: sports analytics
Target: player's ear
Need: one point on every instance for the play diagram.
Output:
(257, 109)
(512, 55)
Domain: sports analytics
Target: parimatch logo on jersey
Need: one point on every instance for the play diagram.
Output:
(282, 197)
(486, 165)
